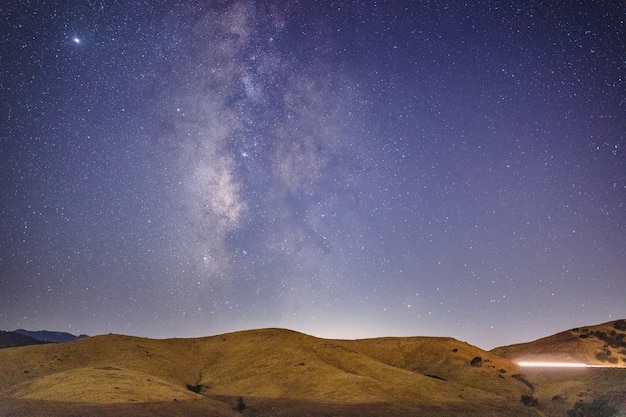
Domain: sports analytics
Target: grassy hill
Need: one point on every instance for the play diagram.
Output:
(273, 372)
(602, 344)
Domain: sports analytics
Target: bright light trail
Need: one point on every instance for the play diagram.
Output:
(554, 364)
(563, 365)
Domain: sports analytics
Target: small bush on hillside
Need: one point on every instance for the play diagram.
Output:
(605, 356)
(529, 400)
(241, 405)
(195, 388)
(620, 325)
(612, 339)
(477, 361)
(599, 407)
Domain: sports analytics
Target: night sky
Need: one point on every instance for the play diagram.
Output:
(344, 169)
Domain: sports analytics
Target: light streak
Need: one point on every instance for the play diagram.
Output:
(563, 365)
(554, 364)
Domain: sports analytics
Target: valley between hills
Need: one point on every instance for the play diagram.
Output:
(278, 372)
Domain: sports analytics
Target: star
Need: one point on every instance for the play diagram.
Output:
(294, 158)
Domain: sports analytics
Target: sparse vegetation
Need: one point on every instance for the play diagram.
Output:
(612, 339)
(620, 325)
(605, 356)
(599, 407)
(529, 400)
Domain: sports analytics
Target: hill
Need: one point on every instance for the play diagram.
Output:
(48, 336)
(13, 339)
(272, 369)
(598, 345)
(276, 372)
(601, 344)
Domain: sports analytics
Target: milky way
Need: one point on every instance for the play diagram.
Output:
(347, 170)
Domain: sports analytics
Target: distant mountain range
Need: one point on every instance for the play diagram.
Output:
(279, 372)
(14, 339)
(21, 337)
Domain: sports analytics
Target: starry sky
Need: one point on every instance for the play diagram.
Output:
(344, 169)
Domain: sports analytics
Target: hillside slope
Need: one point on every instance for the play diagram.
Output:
(559, 389)
(601, 344)
(272, 369)
(276, 372)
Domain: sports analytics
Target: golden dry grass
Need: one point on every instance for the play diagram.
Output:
(559, 389)
(278, 372)
(568, 346)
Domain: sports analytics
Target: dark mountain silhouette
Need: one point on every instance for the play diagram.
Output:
(48, 336)
(13, 339)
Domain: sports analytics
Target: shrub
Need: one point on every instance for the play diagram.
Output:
(599, 407)
(612, 339)
(620, 325)
(529, 400)
(241, 405)
(477, 361)
(604, 355)
(195, 388)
